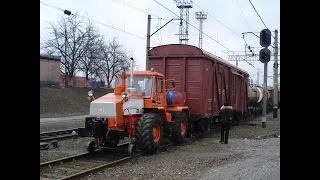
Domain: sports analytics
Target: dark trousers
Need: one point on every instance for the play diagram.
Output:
(225, 127)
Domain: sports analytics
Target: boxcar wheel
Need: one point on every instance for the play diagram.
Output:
(179, 128)
(149, 133)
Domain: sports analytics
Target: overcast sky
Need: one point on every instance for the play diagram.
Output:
(118, 14)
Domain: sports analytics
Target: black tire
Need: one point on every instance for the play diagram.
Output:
(91, 146)
(131, 149)
(176, 134)
(144, 129)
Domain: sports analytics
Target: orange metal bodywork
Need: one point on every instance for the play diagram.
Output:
(122, 121)
(156, 103)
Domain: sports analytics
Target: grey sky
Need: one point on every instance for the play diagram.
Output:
(118, 15)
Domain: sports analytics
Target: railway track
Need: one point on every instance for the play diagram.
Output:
(58, 135)
(81, 165)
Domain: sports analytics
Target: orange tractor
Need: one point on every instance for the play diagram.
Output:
(141, 109)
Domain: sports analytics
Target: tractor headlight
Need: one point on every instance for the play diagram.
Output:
(123, 94)
(90, 93)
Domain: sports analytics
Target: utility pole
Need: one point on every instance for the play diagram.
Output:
(275, 77)
(148, 42)
(201, 16)
(265, 95)
(149, 37)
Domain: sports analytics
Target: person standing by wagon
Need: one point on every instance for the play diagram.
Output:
(226, 114)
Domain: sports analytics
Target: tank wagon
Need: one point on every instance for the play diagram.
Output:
(255, 100)
(207, 80)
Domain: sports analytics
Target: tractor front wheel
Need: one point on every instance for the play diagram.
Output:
(149, 133)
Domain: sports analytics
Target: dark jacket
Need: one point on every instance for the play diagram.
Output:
(226, 114)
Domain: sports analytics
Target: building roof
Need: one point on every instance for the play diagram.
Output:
(49, 57)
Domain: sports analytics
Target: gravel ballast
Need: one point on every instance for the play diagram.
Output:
(196, 160)
(53, 126)
(66, 148)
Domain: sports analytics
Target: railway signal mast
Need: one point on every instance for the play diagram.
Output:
(184, 6)
(264, 57)
(275, 78)
(201, 16)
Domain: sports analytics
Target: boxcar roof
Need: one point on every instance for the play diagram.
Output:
(173, 50)
(144, 73)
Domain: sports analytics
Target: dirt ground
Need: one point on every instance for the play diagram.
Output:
(253, 152)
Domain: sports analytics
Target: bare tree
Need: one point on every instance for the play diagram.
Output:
(87, 62)
(114, 59)
(69, 39)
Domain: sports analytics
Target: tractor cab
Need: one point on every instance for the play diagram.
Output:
(143, 83)
(149, 85)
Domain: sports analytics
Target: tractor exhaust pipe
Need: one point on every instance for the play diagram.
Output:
(131, 73)
(131, 89)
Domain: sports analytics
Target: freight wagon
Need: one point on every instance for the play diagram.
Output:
(181, 95)
(270, 100)
(207, 80)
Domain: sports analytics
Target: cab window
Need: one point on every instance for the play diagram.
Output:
(159, 85)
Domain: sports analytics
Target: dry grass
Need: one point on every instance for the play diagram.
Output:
(58, 102)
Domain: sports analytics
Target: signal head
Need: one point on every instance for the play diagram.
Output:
(265, 37)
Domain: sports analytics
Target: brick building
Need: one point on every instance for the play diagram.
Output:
(49, 70)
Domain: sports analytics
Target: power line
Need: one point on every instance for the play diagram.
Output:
(146, 12)
(202, 32)
(143, 11)
(243, 16)
(258, 14)
(136, 8)
(261, 18)
(218, 21)
(101, 23)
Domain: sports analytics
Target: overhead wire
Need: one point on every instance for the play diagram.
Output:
(158, 17)
(159, 25)
(245, 20)
(260, 18)
(243, 15)
(136, 8)
(202, 31)
(146, 12)
(218, 20)
(100, 23)
(258, 14)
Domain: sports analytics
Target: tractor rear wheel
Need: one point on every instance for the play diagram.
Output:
(179, 128)
(149, 133)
